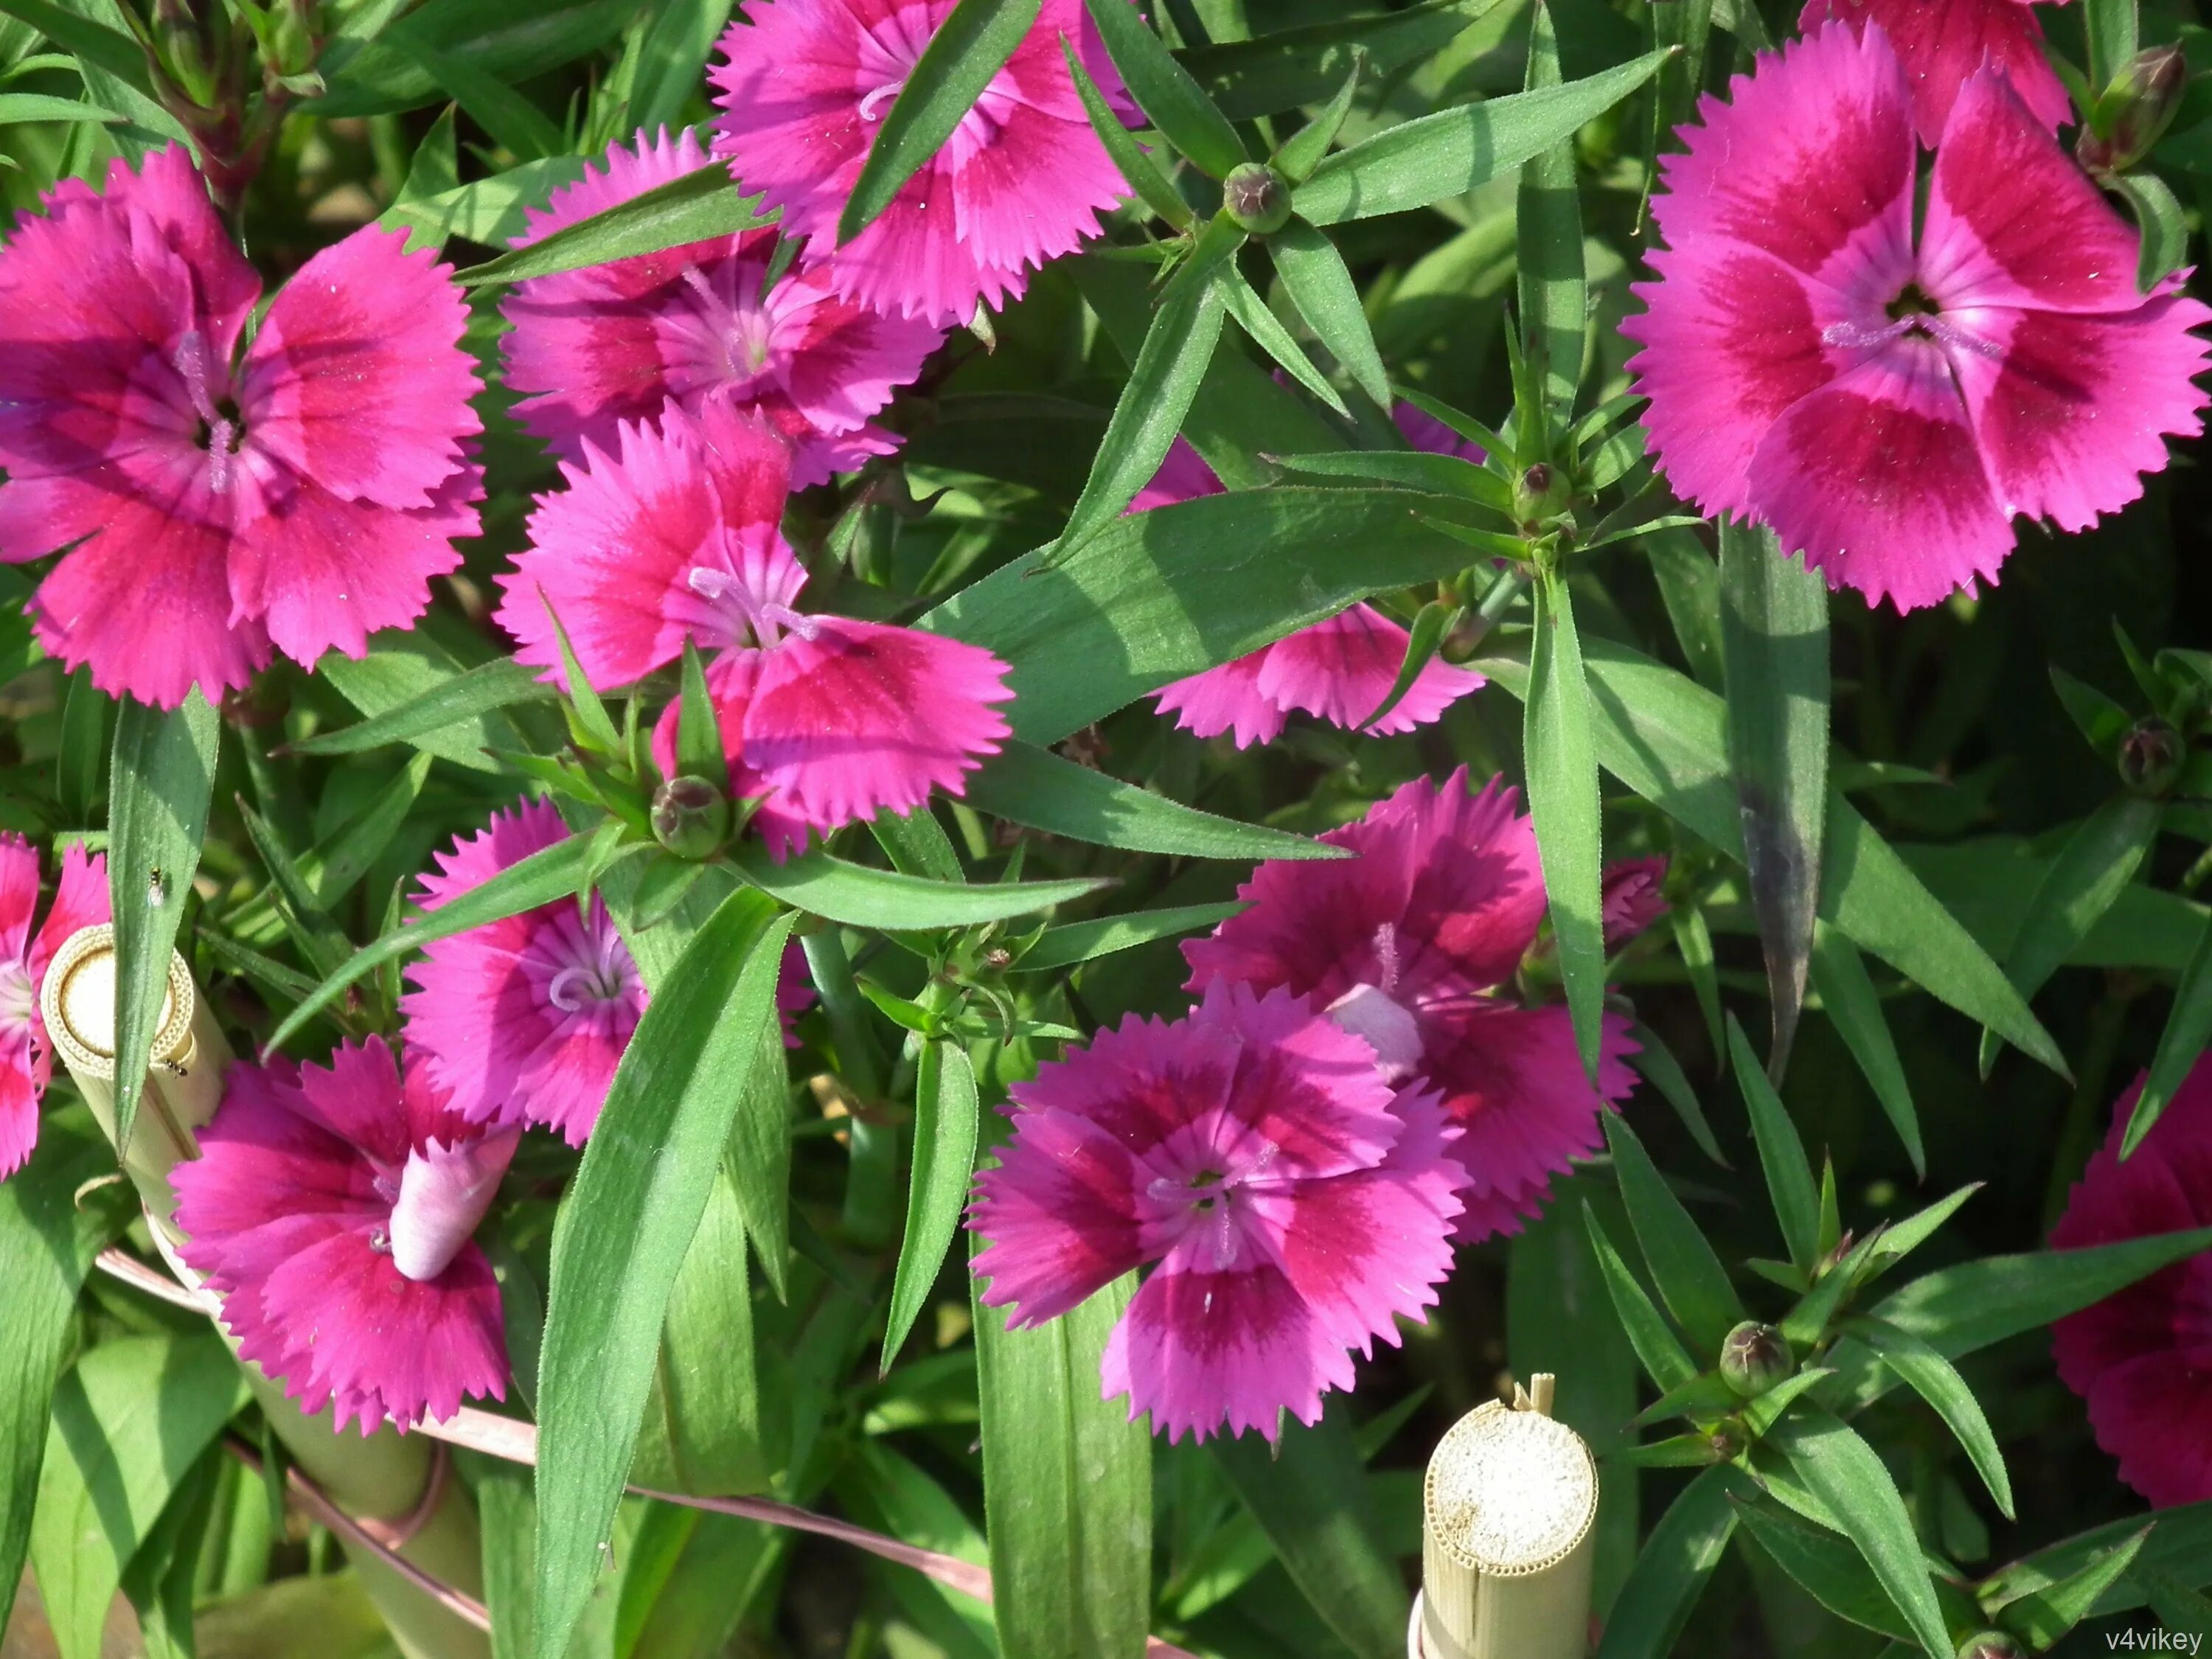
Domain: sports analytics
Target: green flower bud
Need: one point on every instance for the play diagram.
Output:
(691, 817)
(1257, 198)
(182, 51)
(1755, 1357)
(2134, 112)
(1991, 1644)
(2150, 757)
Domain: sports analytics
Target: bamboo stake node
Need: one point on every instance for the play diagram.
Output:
(1508, 1508)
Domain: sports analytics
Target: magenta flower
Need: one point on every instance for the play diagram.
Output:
(2141, 1358)
(1339, 669)
(1631, 900)
(1022, 180)
(1296, 1203)
(827, 720)
(333, 1210)
(297, 497)
(1413, 944)
(1888, 410)
(1941, 42)
(27, 1060)
(521, 1021)
(617, 341)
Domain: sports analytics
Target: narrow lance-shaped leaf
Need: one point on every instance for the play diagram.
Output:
(698, 733)
(499, 683)
(1302, 152)
(1563, 798)
(1143, 174)
(1774, 642)
(1849, 1478)
(967, 51)
(2045, 1616)
(1672, 1570)
(1826, 1564)
(623, 1229)
(1848, 997)
(2163, 222)
(1170, 100)
(158, 782)
(1424, 160)
(2091, 872)
(1691, 1279)
(1291, 68)
(1430, 623)
(1320, 285)
(702, 204)
(1657, 1063)
(1781, 1152)
(1266, 331)
(1086, 941)
(861, 896)
(2188, 1029)
(1658, 1349)
(943, 1165)
(1936, 1380)
(1548, 216)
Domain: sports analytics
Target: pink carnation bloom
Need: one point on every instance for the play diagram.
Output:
(1942, 42)
(1339, 670)
(617, 341)
(827, 720)
(1022, 180)
(334, 1210)
(521, 1021)
(27, 1060)
(2143, 1357)
(1631, 900)
(1888, 410)
(1296, 1202)
(1413, 944)
(297, 497)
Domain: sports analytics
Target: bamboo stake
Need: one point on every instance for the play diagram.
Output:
(382, 1477)
(1508, 1508)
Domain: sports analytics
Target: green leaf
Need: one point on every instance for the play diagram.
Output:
(1663, 735)
(508, 1514)
(1040, 790)
(2078, 887)
(160, 1580)
(317, 936)
(1774, 643)
(1691, 1279)
(964, 54)
(863, 897)
(1288, 68)
(82, 37)
(2180, 1543)
(625, 1226)
(2163, 222)
(2045, 1616)
(1431, 623)
(448, 704)
(2179, 1609)
(83, 746)
(945, 1123)
(402, 667)
(1265, 330)
(1320, 285)
(1441, 475)
(1936, 1380)
(1311, 1497)
(1161, 595)
(1689, 585)
(366, 77)
(2188, 1029)
(702, 205)
(1067, 1487)
(1163, 381)
(1825, 1563)
(1781, 1153)
(1296, 156)
(493, 211)
(1425, 160)
(129, 1421)
(1563, 798)
(1142, 173)
(158, 785)
(552, 873)
(1549, 215)
(1670, 1573)
(1658, 1349)
(512, 119)
(1164, 89)
(675, 50)
(1852, 1005)
(1086, 941)
(16, 108)
(699, 750)
(1847, 1476)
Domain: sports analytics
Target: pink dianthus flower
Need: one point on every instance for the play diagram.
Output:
(296, 497)
(1296, 1203)
(1941, 43)
(27, 1060)
(1414, 944)
(2141, 1358)
(617, 342)
(1887, 408)
(523, 1020)
(826, 721)
(1339, 669)
(1022, 180)
(333, 1209)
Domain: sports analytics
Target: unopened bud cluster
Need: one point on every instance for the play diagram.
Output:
(1754, 1359)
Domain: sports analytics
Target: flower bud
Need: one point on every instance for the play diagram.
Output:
(1540, 493)
(2150, 757)
(1755, 1357)
(1726, 1441)
(294, 37)
(1631, 899)
(1991, 1644)
(2133, 113)
(1257, 198)
(691, 817)
(182, 51)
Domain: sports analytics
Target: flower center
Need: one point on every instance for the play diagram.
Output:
(207, 386)
(736, 331)
(1206, 1200)
(751, 617)
(17, 999)
(2192, 1314)
(596, 969)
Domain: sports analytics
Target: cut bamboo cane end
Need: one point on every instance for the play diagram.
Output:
(1508, 1503)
